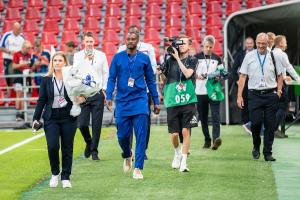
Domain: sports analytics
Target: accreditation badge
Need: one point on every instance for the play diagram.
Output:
(62, 101)
(130, 82)
(262, 83)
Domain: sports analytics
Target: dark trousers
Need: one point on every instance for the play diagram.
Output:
(61, 127)
(282, 108)
(202, 107)
(263, 108)
(245, 110)
(7, 63)
(94, 105)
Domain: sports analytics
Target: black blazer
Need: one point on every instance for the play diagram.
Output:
(46, 98)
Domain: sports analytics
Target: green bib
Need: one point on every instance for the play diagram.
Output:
(179, 94)
(214, 90)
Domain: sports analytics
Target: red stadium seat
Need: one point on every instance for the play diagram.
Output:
(73, 12)
(69, 36)
(174, 22)
(194, 33)
(1, 5)
(232, 6)
(30, 36)
(215, 31)
(57, 3)
(138, 2)
(174, 9)
(158, 2)
(132, 20)
(111, 36)
(11, 95)
(53, 13)
(98, 3)
(114, 11)
(214, 20)
(92, 24)
(115, 2)
(33, 14)
(16, 4)
(218, 49)
(37, 4)
(153, 10)
(175, 1)
(109, 48)
(213, 7)
(51, 26)
(194, 21)
(31, 26)
(153, 22)
(71, 25)
(194, 8)
(77, 3)
(253, 4)
(272, 1)
(13, 14)
(152, 35)
(134, 10)
(170, 32)
(2, 96)
(7, 26)
(93, 11)
(113, 23)
(49, 39)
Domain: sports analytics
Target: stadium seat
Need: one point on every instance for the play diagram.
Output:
(7, 26)
(153, 22)
(49, 39)
(13, 14)
(111, 36)
(170, 32)
(194, 9)
(109, 48)
(214, 20)
(134, 10)
(132, 20)
(194, 33)
(218, 49)
(115, 2)
(253, 4)
(37, 4)
(215, 31)
(53, 13)
(15, 4)
(272, 1)
(1, 5)
(11, 95)
(174, 22)
(152, 35)
(175, 1)
(194, 21)
(31, 26)
(232, 6)
(69, 36)
(71, 25)
(213, 7)
(30, 36)
(57, 3)
(174, 9)
(93, 11)
(51, 26)
(34, 93)
(114, 11)
(138, 2)
(153, 9)
(98, 3)
(77, 3)
(92, 24)
(112, 23)
(158, 2)
(2, 96)
(33, 14)
(73, 12)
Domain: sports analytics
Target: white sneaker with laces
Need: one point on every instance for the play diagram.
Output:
(176, 161)
(54, 181)
(127, 164)
(137, 174)
(66, 184)
(183, 167)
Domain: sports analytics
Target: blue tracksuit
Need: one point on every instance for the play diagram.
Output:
(132, 102)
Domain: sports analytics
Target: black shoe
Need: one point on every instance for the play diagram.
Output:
(216, 144)
(207, 145)
(255, 154)
(270, 158)
(95, 156)
(146, 157)
(279, 134)
(87, 151)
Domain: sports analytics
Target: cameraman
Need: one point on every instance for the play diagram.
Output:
(208, 63)
(180, 97)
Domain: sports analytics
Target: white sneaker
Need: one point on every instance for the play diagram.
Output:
(127, 164)
(66, 184)
(54, 181)
(183, 167)
(176, 161)
(137, 174)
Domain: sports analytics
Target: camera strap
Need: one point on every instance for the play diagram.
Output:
(207, 64)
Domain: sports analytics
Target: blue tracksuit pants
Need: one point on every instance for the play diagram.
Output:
(140, 125)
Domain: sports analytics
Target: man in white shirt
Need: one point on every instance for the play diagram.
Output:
(10, 43)
(147, 49)
(94, 64)
(282, 59)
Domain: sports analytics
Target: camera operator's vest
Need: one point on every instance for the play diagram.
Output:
(179, 93)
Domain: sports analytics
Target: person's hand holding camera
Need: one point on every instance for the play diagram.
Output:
(175, 54)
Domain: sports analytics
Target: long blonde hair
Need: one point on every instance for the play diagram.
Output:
(51, 68)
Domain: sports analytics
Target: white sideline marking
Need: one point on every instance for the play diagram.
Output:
(21, 143)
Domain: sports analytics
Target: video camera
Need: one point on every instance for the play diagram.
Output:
(175, 42)
(220, 72)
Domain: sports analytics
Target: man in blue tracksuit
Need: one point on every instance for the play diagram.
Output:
(132, 71)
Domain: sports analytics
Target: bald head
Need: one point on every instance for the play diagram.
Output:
(17, 28)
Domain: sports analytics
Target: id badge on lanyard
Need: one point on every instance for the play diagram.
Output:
(262, 83)
(61, 99)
